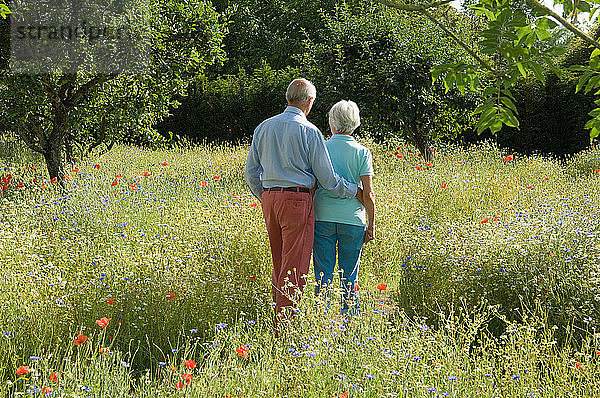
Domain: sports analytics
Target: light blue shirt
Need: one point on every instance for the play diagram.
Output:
(350, 160)
(289, 151)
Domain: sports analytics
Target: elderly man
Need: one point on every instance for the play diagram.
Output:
(287, 156)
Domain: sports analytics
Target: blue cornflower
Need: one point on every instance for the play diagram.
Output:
(515, 377)
(452, 378)
(430, 389)
(162, 363)
(370, 377)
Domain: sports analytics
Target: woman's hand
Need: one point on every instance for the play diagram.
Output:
(369, 234)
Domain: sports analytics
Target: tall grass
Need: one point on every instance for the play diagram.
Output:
(491, 269)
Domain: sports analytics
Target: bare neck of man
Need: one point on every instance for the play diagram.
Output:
(303, 106)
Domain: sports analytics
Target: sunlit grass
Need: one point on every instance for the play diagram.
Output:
(491, 269)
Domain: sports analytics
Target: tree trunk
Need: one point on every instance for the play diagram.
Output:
(420, 140)
(54, 161)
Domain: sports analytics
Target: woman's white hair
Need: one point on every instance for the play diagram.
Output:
(300, 91)
(344, 116)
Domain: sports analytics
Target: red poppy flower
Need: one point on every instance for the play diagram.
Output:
(133, 187)
(119, 176)
(253, 277)
(507, 158)
(444, 185)
(460, 162)
(54, 376)
(429, 164)
(43, 186)
(97, 167)
(187, 378)
(110, 301)
(217, 177)
(203, 183)
(529, 186)
(23, 370)
(579, 366)
(171, 296)
(596, 170)
(114, 183)
(356, 288)
(103, 322)
(46, 390)
(67, 177)
(399, 156)
(75, 170)
(382, 286)
(54, 180)
(104, 350)
(35, 180)
(254, 204)
(179, 385)
(242, 351)
(81, 338)
(485, 220)
(496, 218)
(164, 163)
(190, 364)
(20, 185)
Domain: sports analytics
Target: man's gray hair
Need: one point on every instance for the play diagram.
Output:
(344, 116)
(300, 91)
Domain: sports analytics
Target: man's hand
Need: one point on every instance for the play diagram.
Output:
(369, 234)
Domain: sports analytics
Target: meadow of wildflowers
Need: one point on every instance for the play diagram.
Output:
(149, 275)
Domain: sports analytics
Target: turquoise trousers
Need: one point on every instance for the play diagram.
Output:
(345, 242)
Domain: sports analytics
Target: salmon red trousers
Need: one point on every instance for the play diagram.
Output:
(289, 218)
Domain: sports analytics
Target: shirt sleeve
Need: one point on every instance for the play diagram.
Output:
(366, 169)
(323, 169)
(253, 171)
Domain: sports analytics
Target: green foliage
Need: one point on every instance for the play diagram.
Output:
(231, 106)
(4, 10)
(271, 31)
(382, 61)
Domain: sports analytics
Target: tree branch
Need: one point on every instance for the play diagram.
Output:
(83, 90)
(536, 4)
(461, 43)
(422, 8)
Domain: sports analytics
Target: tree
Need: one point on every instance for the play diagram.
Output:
(77, 105)
(513, 45)
(271, 31)
(383, 60)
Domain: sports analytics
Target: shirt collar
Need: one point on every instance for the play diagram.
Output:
(293, 109)
(342, 137)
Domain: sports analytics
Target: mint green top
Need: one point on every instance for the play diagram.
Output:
(350, 160)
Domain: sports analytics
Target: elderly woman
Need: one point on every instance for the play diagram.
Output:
(345, 223)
